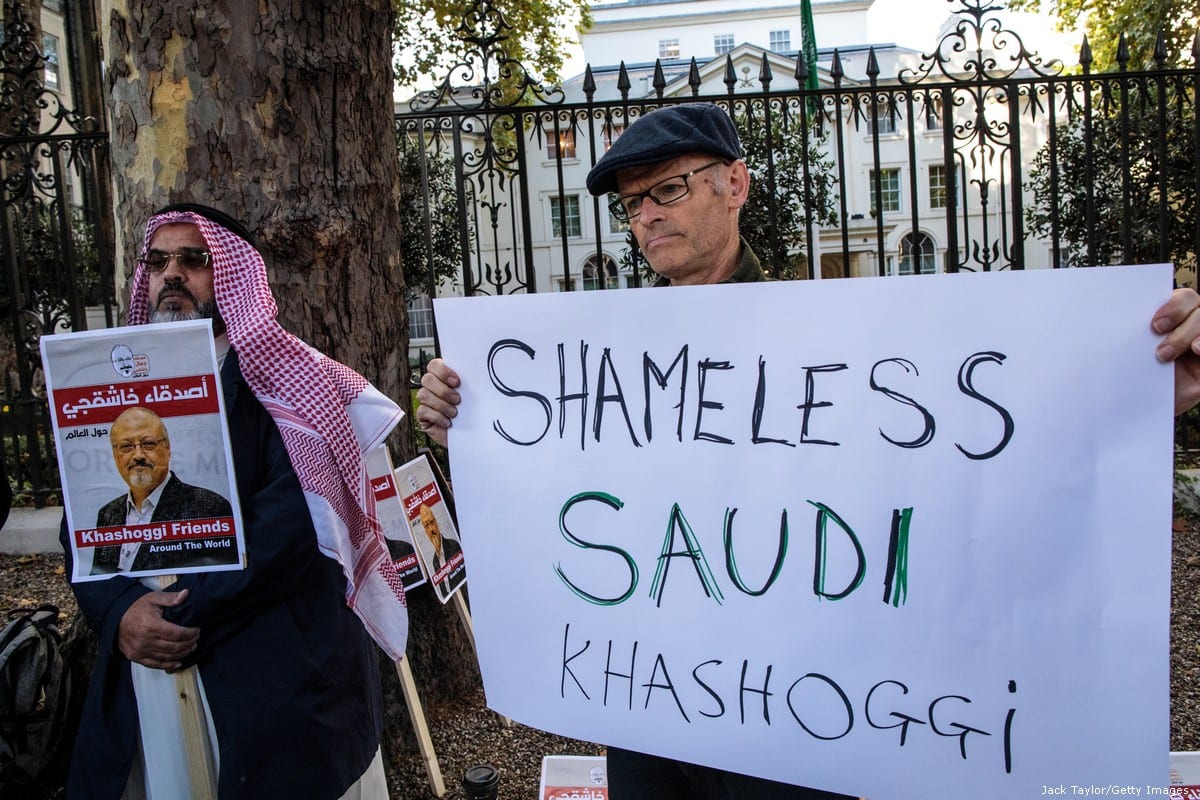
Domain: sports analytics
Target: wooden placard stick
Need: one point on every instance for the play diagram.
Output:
(202, 771)
(464, 614)
(420, 727)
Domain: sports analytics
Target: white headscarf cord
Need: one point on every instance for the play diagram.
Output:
(328, 414)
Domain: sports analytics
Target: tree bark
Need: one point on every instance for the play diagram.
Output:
(280, 114)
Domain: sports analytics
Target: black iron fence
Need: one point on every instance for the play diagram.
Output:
(56, 242)
(978, 156)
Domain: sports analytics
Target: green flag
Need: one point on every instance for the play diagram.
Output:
(809, 45)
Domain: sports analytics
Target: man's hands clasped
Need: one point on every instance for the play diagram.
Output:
(146, 638)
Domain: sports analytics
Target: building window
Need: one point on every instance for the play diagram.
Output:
(885, 121)
(937, 185)
(50, 52)
(612, 132)
(781, 41)
(420, 317)
(600, 274)
(561, 145)
(917, 255)
(668, 48)
(722, 43)
(565, 209)
(889, 186)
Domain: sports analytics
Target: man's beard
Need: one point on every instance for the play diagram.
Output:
(141, 478)
(205, 310)
(199, 311)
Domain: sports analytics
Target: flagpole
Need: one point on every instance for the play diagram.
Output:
(808, 46)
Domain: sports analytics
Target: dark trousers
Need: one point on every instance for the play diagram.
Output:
(637, 776)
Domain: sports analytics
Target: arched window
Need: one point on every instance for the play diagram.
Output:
(599, 274)
(917, 255)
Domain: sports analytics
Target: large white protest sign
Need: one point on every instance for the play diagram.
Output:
(895, 538)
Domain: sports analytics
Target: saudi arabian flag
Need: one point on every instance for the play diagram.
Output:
(809, 44)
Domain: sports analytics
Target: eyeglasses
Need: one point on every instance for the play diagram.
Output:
(667, 191)
(147, 445)
(190, 258)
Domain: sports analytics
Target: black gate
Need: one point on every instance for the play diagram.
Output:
(55, 217)
(1094, 168)
(1034, 162)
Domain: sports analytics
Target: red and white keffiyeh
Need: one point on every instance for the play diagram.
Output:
(328, 414)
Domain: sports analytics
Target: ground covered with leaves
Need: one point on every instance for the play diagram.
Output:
(464, 734)
(467, 733)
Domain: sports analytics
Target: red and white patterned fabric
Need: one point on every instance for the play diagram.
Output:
(328, 414)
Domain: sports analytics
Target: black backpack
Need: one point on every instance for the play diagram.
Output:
(36, 687)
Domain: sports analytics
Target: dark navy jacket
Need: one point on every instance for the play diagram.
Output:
(289, 671)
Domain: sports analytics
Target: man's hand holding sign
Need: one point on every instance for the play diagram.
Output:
(756, 543)
(1178, 321)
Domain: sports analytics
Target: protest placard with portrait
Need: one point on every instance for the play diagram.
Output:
(143, 451)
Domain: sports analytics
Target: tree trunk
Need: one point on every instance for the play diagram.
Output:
(280, 114)
(282, 118)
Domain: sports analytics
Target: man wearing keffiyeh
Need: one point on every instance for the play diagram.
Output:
(283, 648)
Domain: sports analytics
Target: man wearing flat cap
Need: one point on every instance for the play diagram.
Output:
(678, 179)
(680, 182)
(289, 682)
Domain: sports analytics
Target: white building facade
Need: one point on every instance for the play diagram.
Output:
(924, 182)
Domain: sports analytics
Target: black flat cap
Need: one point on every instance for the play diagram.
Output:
(664, 134)
(220, 217)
